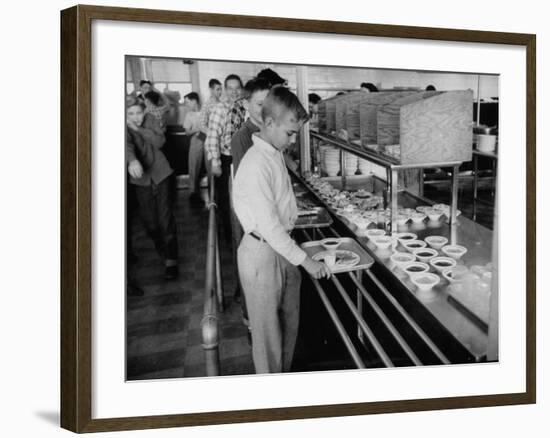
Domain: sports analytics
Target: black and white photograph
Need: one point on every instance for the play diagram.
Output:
(286, 218)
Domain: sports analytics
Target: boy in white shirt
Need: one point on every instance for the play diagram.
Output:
(268, 257)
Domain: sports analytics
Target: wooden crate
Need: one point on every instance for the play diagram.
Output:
(438, 128)
(429, 126)
(352, 115)
(388, 117)
(327, 115)
(340, 113)
(368, 112)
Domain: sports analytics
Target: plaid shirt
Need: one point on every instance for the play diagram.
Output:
(215, 132)
(158, 112)
(237, 116)
(205, 113)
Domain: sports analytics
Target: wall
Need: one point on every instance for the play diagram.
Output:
(29, 258)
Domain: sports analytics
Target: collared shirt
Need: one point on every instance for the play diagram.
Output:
(215, 132)
(242, 142)
(192, 122)
(264, 200)
(205, 112)
(238, 114)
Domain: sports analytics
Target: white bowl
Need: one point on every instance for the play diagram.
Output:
(411, 245)
(402, 219)
(442, 263)
(436, 242)
(454, 251)
(362, 223)
(400, 259)
(456, 274)
(405, 237)
(433, 214)
(425, 281)
(425, 254)
(382, 242)
(422, 208)
(413, 268)
(418, 217)
(375, 232)
(331, 243)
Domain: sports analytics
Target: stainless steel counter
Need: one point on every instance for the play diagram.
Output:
(476, 238)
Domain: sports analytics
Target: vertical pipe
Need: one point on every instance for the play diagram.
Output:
(393, 212)
(454, 203)
(343, 168)
(219, 284)
(305, 144)
(478, 99)
(475, 164)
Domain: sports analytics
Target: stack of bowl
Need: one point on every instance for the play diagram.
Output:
(351, 163)
(331, 161)
(364, 166)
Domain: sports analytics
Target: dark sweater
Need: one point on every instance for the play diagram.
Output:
(144, 145)
(241, 142)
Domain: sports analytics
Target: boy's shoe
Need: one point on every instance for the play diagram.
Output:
(171, 272)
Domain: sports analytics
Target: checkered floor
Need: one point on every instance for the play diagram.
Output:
(163, 327)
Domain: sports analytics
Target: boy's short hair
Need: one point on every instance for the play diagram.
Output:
(213, 82)
(193, 96)
(272, 77)
(314, 98)
(254, 85)
(280, 100)
(153, 96)
(232, 77)
(132, 101)
(144, 81)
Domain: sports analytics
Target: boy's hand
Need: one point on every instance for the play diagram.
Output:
(216, 169)
(316, 269)
(135, 169)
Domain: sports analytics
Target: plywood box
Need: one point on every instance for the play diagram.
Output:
(429, 127)
(368, 114)
(352, 115)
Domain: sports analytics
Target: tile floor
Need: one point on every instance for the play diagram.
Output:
(163, 327)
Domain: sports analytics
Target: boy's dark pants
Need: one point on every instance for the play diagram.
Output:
(155, 209)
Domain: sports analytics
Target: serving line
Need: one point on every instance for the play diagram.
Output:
(364, 328)
(462, 325)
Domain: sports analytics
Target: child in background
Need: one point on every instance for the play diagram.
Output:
(255, 92)
(155, 106)
(192, 125)
(149, 174)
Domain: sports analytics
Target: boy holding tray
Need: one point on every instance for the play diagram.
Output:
(268, 257)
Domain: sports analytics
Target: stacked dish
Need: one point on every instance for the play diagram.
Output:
(364, 166)
(351, 163)
(331, 161)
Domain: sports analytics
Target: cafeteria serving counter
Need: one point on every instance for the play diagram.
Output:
(455, 317)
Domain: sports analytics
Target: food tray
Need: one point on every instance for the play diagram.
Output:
(318, 218)
(365, 262)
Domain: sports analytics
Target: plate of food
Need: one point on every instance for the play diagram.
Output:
(338, 259)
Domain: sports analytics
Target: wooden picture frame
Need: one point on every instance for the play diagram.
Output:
(76, 217)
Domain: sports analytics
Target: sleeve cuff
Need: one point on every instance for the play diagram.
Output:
(298, 256)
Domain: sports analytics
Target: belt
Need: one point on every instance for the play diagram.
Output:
(260, 238)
